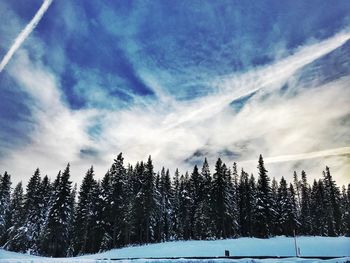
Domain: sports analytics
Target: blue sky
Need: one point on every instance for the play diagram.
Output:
(179, 80)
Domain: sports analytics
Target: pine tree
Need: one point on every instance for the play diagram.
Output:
(231, 206)
(137, 209)
(5, 203)
(33, 214)
(252, 207)
(159, 209)
(16, 220)
(55, 239)
(17, 206)
(275, 224)
(206, 221)
(176, 205)
(346, 212)
(305, 215)
(129, 199)
(235, 201)
(70, 251)
(150, 203)
(222, 200)
(118, 203)
(318, 209)
(297, 188)
(166, 200)
(195, 193)
(145, 204)
(264, 210)
(44, 192)
(105, 201)
(282, 210)
(332, 196)
(286, 209)
(44, 198)
(184, 208)
(245, 204)
(85, 218)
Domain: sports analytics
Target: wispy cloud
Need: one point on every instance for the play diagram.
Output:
(302, 156)
(283, 126)
(25, 33)
(265, 78)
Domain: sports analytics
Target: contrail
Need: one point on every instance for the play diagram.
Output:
(304, 156)
(25, 33)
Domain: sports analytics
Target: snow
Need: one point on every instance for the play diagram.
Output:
(278, 246)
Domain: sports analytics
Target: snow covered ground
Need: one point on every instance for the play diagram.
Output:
(245, 247)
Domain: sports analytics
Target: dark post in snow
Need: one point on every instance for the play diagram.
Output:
(227, 253)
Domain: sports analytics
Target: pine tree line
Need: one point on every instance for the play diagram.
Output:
(135, 205)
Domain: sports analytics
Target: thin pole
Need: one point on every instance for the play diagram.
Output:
(295, 244)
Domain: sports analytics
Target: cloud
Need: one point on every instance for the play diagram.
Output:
(25, 33)
(269, 77)
(305, 128)
(303, 156)
(279, 124)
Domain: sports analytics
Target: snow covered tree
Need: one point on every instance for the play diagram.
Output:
(118, 204)
(158, 227)
(281, 206)
(332, 197)
(195, 193)
(346, 211)
(175, 205)
(149, 201)
(45, 191)
(305, 215)
(55, 239)
(17, 219)
(252, 196)
(235, 201)
(166, 203)
(17, 206)
(33, 214)
(145, 203)
(105, 201)
(85, 219)
(264, 210)
(44, 197)
(134, 205)
(292, 212)
(5, 204)
(129, 199)
(24, 236)
(137, 204)
(318, 209)
(231, 210)
(207, 224)
(297, 188)
(245, 202)
(286, 210)
(222, 201)
(275, 224)
(184, 230)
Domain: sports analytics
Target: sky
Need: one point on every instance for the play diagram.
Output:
(81, 81)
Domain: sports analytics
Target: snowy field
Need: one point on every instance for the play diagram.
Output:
(245, 247)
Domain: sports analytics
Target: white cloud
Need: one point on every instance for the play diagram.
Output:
(281, 127)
